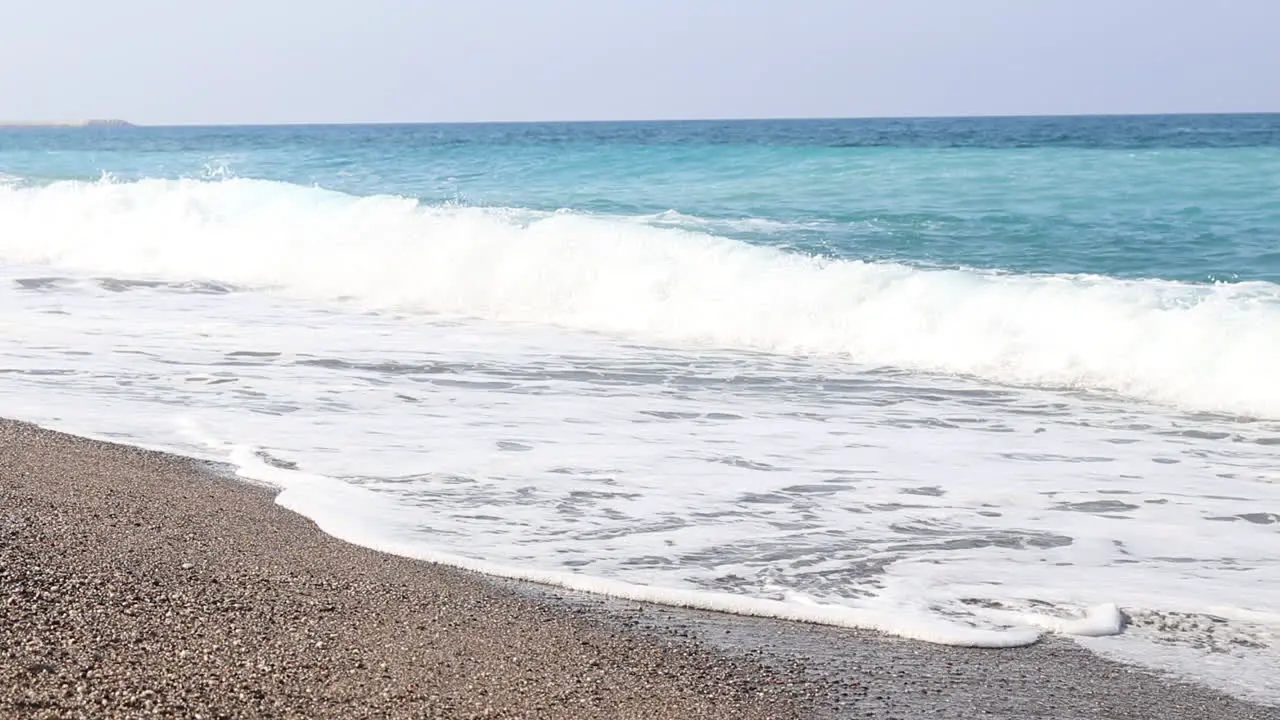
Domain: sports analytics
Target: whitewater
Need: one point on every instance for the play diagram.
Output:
(1208, 348)
(724, 410)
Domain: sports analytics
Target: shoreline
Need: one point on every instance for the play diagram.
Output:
(138, 581)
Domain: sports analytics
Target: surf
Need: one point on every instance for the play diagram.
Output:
(1198, 347)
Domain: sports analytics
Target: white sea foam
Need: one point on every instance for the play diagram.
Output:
(1197, 347)
(677, 219)
(349, 513)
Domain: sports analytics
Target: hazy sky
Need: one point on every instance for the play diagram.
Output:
(263, 61)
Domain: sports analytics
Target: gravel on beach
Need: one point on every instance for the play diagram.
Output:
(139, 584)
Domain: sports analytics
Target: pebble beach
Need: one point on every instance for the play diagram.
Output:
(139, 584)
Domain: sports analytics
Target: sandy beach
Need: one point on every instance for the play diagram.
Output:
(142, 584)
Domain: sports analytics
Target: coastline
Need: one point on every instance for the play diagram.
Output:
(94, 123)
(136, 581)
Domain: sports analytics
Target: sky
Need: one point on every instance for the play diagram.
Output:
(289, 61)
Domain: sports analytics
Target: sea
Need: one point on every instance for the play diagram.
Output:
(970, 381)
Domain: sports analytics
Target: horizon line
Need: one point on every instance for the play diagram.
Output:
(116, 122)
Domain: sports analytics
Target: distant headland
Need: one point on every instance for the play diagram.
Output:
(96, 123)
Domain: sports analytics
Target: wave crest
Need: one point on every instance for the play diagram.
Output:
(1200, 347)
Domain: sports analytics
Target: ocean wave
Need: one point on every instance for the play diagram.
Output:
(1199, 347)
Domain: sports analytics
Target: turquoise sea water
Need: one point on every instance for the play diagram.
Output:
(1194, 198)
(964, 380)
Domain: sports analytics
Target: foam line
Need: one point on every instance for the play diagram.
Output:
(339, 509)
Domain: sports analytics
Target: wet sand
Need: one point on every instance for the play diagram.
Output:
(141, 584)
